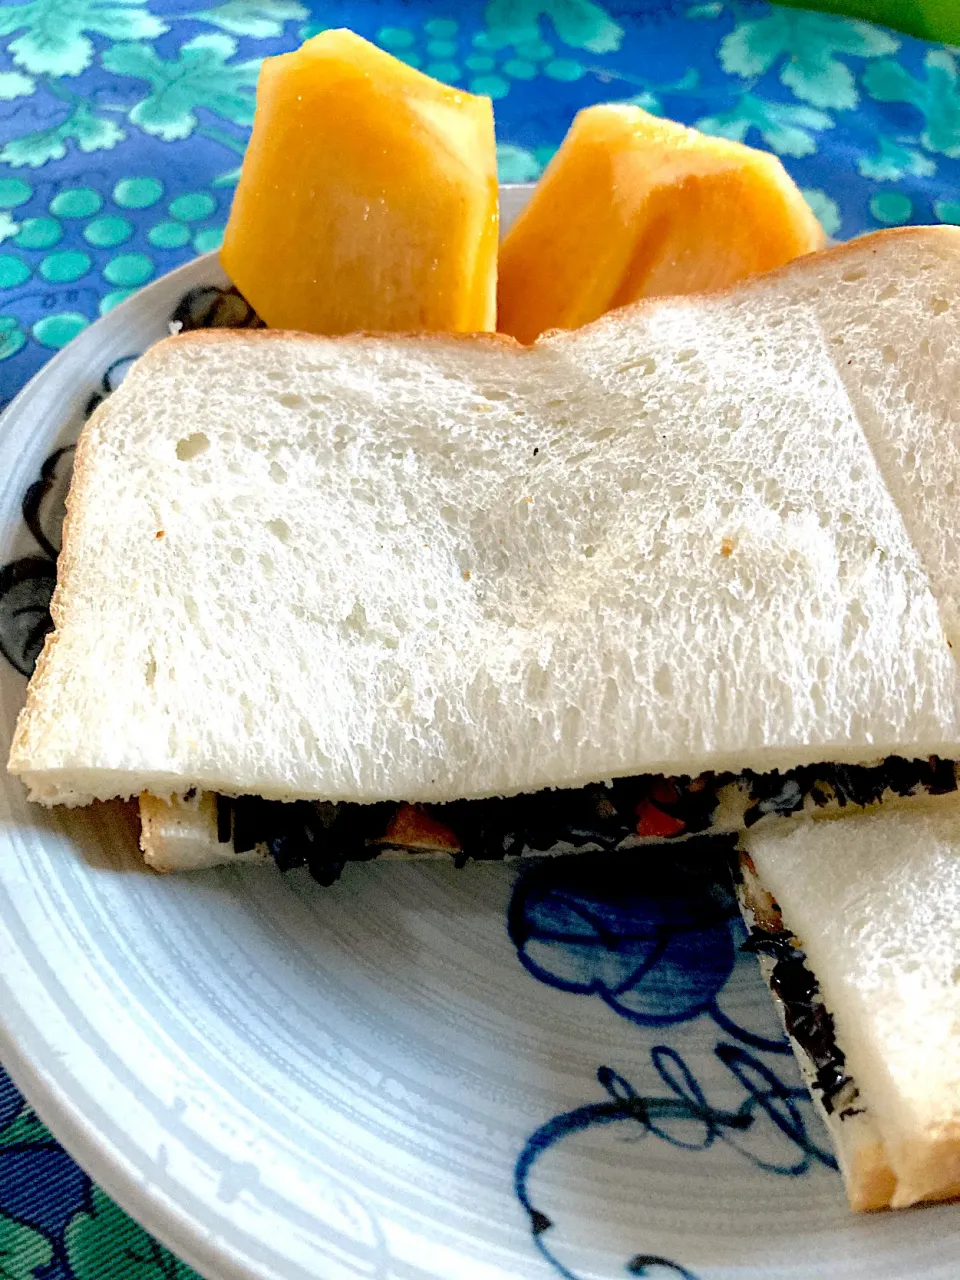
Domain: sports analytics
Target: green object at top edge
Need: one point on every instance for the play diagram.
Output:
(929, 19)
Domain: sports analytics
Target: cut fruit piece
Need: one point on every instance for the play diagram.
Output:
(633, 206)
(368, 196)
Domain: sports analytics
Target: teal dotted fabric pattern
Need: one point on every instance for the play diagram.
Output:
(123, 124)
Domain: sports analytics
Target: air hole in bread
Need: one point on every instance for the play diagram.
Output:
(280, 530)
(644, 366)
(308, 737)
(891, 291)
(150, 671)
(266, 564)
(192, 446)
(277, 473)
(292, 401)
(247, 708)
(191, 610)
(939, 305)
(851, 277)
(237, 556)
(889, 354)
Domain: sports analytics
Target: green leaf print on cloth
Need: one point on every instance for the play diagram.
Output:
(54, 42)
(578, 23)
(26, 1129)
(516, 164)
(23, 1251)
(12, 340)
(199, 77)
(893, 161)
(14, 85)
(937, 97)
(787, 129)
(808, 43)
(88, 131)
(105, 1242)
(260, 19)
(826, 210)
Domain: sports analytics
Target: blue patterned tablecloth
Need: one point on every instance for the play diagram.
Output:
(122, 127)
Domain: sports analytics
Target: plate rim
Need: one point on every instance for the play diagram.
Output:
(91, 1150)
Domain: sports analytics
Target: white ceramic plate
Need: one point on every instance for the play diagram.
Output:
(544, 1070)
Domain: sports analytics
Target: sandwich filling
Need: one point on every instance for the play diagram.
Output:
(614, 817)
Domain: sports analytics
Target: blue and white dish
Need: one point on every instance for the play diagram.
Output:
(554, 1068)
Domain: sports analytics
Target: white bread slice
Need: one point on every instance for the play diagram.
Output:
(867, 1177)
(434, 568)
(875, 904)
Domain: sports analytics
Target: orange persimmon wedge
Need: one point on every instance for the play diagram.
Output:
(632, 206)
(368, 196)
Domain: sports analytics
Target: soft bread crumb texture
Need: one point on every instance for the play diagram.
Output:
(700, 533)
(875, 910)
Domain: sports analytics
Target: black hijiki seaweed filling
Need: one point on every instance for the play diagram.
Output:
(323, 836)
(856, 784)
(807, 1019)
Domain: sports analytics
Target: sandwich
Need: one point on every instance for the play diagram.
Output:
(858, 934)
(690, 568)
